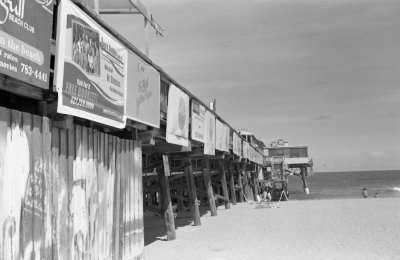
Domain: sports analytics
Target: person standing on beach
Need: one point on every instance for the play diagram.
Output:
(365, 193)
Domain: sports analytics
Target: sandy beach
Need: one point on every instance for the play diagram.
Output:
(313, 229)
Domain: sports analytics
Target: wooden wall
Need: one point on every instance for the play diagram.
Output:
(68, 194)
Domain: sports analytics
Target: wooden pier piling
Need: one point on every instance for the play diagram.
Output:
(166, 204)
(192, 192)
(221, 165)
(209, 188)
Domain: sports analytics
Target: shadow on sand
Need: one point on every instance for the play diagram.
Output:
(154, 226)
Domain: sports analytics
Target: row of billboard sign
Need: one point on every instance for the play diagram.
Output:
(92, 67)
(205, 128)
(98, 78)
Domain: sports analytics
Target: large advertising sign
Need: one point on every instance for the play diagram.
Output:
(25, 32)
(177, 117)
(143, 92)
(198, 121)
(219, 136)
(227, 138)
(91, 67)
(245, 149)
(237, 144)
(209, 144)
(222, 136)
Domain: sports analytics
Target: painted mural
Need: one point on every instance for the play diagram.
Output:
(67, 194)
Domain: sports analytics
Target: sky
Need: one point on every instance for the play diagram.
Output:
(321, 73)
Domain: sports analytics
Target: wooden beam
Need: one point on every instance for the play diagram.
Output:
(226, 199)
(208, 184)
(193, 153)
(254, 185)
(147, 137)
(166, 204)
(183, 165)
(164, 148)
(246, 186)
(176, 177)
(239, 174)
(20, 88)
(192, 193)
(221, 164)
(218, 156)
(232, 184)
(153, 209)
(153, 165)
(62, 121)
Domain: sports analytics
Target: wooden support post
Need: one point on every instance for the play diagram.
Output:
(256, 179)
(246, 187)
(239, 174)
(149, 195)
(255, 184)
(192, 193)
(166, 204)
(223, 182)
(180, 200)
(208, 184)
(304, 178)
(232, 184)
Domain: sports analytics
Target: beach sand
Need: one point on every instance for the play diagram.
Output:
(312, 229)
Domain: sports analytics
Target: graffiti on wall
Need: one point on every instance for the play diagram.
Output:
(67, 194)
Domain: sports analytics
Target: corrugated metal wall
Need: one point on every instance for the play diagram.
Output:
(68, 194)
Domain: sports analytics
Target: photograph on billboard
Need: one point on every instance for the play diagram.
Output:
(25, 34)
(90, 70)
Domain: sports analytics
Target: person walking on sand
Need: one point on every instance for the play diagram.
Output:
(365, 193)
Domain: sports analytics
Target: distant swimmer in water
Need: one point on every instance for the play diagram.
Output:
(365, 193)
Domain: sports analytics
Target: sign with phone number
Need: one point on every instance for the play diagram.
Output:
(25, 40)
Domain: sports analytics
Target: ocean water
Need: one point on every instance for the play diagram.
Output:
(334, 185)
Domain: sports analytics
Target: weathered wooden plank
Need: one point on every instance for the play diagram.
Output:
(89, 190)
(209, 188)
(102, 187)
(38, 192)
(131, 199)
(56, 179)
(78, 197)
(113, 182)
(47, 198)
(70, 185)
(27, 219)
(5, 130)
(62, 200)
(132, 219)
(117, 201)
(139, 184)
(123, 197)
(95, 196)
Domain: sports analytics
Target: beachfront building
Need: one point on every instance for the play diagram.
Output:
(282, 159)
(93, 132)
